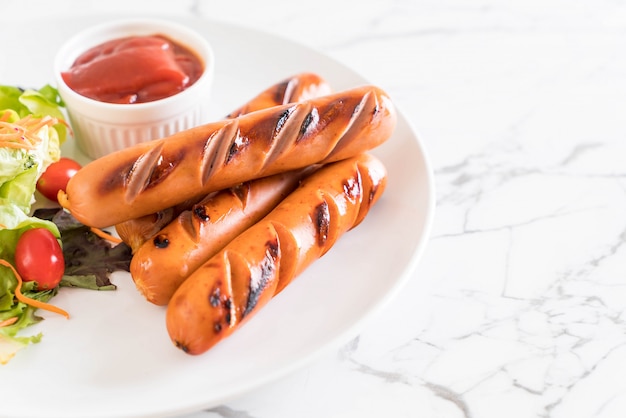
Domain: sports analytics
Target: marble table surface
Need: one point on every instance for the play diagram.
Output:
(516, 307)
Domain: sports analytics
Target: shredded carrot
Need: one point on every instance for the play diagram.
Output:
(15, 145)
(105, 235)
(25, 299)
(22, 134)
(8, 322)
(65, 204)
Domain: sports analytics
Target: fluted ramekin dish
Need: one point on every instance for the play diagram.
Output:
(102, 127)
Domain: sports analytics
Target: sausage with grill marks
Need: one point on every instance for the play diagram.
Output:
(162, 263)
(299, 87)
(155, 175)
(238, 281)
(302, 86)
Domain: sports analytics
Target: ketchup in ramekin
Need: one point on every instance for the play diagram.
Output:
(134, 69)
(133, 80)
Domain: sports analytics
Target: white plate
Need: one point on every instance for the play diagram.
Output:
(113, 357)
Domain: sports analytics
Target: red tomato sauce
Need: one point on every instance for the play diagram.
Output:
(135, 69)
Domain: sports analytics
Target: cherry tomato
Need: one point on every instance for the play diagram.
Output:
(56, 176)
(39, 258)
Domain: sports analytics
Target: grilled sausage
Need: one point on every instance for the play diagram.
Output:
(303, 86)
(155, 175)
(298, 87)
(161, 264)
(232, 286)
(135, 232)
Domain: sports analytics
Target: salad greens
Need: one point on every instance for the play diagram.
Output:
(20, 167)
(42, 102)
(32, 129)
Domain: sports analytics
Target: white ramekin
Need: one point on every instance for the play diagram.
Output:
(101, 128)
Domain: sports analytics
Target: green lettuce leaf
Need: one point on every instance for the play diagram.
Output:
(43, 102)
(10, 342)
(18, 177)
(20, 168)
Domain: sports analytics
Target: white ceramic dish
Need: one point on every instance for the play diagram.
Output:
(102, 128)
(113, 358)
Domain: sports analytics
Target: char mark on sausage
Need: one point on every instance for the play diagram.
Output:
(260, 278)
